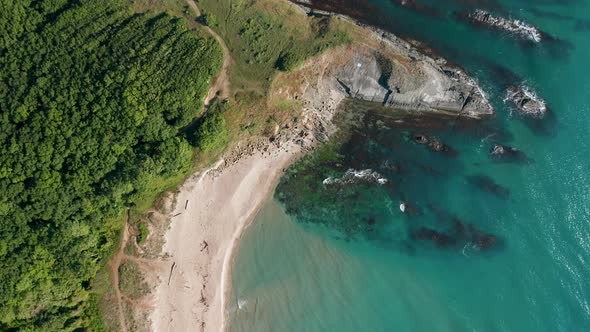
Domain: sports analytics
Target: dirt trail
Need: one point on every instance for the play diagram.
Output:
(221, 86)
(114, 271)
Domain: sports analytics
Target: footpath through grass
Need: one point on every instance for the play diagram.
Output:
(267, 35)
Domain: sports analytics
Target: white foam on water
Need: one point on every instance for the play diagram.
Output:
(464, 249)
(531, 94)
(328, 181)
(485, 141)
(515, 26)
(352, 176)
(242, 303)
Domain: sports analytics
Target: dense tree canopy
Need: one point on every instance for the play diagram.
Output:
(211, 133)
(92, 100)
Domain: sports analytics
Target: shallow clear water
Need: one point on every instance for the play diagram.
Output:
(374, 275)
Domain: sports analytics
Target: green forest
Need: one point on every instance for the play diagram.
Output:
(94, 105)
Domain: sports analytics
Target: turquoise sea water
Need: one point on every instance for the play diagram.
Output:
(351, 261)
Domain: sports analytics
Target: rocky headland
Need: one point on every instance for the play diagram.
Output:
(379, 67)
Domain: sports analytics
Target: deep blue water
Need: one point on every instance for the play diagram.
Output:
(351, 261)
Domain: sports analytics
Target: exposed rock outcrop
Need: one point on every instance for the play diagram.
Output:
(516, 27)
(503, 153)
(487, 184)
(399, 77)
(379, 67)
(526, 101)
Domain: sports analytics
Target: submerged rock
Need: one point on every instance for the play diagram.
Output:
(440, 239)
(488, 184)
(472, 235)
(526, 101)
(542, 126)
(460, 235)
(505, 153)
(388, 166)
(409, 209)
(437, 146)
(433, 144)
(420, 138)
(456, 233)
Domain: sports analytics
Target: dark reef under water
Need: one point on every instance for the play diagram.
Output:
(382, 167)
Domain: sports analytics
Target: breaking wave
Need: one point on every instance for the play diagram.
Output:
(352, 176)
(523, 95)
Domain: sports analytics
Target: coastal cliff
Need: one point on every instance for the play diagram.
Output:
(382, 68)
(399, 77)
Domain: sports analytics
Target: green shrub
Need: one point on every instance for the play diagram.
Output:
(290, 60)
(144, 231)
(209, 19)
(212, 133)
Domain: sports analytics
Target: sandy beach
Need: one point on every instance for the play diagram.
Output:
(212, 210)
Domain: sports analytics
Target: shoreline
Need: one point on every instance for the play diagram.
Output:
(231, 251)
(204, 236)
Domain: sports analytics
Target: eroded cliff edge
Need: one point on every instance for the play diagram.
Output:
(382, 68)
(402, 78)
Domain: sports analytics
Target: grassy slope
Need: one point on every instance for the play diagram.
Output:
(259, 34)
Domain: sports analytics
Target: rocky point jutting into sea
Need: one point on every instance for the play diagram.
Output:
(394, 84)
(379, 67)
